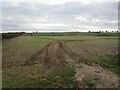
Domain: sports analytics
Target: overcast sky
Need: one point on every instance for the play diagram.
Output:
(59, 15)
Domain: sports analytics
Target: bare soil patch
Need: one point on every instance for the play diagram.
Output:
(101, 77)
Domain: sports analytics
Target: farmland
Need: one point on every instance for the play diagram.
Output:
(73, 61)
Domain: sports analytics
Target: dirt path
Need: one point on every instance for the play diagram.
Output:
(101, 77)
(54, 57)
(50, 56)
(45, 56)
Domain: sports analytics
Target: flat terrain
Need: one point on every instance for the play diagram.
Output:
(60, 61)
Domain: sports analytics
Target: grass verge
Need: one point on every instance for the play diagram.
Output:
(110, 61)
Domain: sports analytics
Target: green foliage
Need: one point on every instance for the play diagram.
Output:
(109, 61)
(78, 37)
(53, 79)
(27, 42)
(60, 78)
(89, 83)
(72, 33)
(45, 84)
(107, 37)
(69, 37)
(66, 75)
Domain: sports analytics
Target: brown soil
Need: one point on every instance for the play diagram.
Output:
(50, 56)
(102, 77)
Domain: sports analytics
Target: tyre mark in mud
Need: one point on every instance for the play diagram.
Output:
(70, 53)
(61, 54)
(45, 56)
(48, 57)
(33, 59)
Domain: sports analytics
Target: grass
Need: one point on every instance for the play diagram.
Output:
(110, 61)
(20, 76)
(15, 50)
(69, 37)
(77, 37)
(55, 78)
(62, 78)
(27, 41)
(89, 83)
(89, 48)
(107, 37)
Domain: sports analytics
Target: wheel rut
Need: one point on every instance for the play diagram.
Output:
(49, 57)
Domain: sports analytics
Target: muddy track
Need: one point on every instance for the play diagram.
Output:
(70, 53)
(49, 57)
(45, 56)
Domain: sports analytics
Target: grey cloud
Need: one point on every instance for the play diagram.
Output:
(31, 13)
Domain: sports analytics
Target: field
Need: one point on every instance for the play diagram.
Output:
(75, 61)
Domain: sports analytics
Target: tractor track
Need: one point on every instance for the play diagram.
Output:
(49, 57)
(45, 56)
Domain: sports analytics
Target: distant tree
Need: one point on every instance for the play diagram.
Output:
(89, 31)
(99, 32)
(106, 31)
